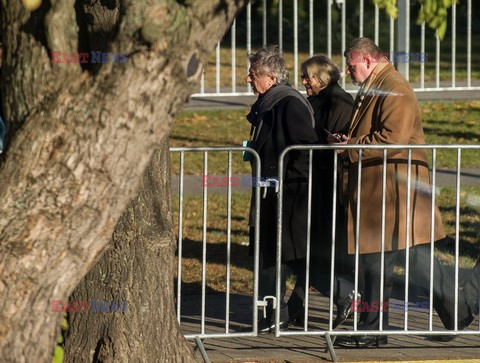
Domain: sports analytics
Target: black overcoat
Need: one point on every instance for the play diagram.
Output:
(288, 123)
(332, 110)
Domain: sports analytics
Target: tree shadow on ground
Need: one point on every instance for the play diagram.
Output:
(217, 253)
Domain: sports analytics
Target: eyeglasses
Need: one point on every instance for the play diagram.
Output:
(304, 76)
(350, 67)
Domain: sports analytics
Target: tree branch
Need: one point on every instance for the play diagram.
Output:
(62, 33)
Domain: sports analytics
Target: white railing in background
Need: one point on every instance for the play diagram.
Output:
(257, 19)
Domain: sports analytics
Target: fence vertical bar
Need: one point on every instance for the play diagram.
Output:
(249, 37)
(437, 60)
(295, 42)
(279, 242)
(344, 37)
(407, 39)
(309, 229)
(422, 54)
(392, 39)
(204, 241)
(357, 232)
(280, 24)
(360, 30)
(334, 224)
(217, 68)
(202, 82)
(401, 39)
(310, 28)
(377, 23)
(256, 247)
(329, 30)
(454, 41)
(264, 22)
(382, 236)
(180, 237)
(469, 43)
(432, 238)
(233, 35)
(457, 232)
(229, 242)
(407, 236)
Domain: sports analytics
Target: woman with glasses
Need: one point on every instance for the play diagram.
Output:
(332, 108)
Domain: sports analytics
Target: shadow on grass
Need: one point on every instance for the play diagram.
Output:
(437, 131)
(217, 253)
(447, 245)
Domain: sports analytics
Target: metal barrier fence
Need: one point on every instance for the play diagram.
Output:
(325, 331)
(255, 303)
(314, 25)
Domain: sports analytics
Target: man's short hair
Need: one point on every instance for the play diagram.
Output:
(270, 62)
(363, 46)
(322, 68)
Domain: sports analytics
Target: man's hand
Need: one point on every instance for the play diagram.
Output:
(338, 139)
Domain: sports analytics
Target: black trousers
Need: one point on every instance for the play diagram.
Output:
(320, 265)
(419, 270)
(267, 284)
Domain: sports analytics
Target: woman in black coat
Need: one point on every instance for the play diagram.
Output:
(332, 110)
(280, 117)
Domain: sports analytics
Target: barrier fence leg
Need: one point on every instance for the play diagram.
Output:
(330, 347)
(333, 342)
(201, 347)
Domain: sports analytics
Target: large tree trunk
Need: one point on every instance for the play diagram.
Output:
(80, 138)
(137, 268)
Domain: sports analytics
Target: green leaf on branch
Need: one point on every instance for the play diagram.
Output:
(390, 7)
(433, 12)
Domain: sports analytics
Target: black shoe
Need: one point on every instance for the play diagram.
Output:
(344, 308)
(462, 325)
(299, 322)
(471, 290)
(266, 327)
(441, 338)
(361, 341)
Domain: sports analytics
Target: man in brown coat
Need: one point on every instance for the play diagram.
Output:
(386, 112)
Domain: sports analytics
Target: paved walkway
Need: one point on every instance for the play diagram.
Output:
(297, 348)
(241, 102)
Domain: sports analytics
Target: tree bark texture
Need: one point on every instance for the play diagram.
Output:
(137, 268)
(80, 138)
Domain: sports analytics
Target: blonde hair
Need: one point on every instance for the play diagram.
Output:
(322, 68)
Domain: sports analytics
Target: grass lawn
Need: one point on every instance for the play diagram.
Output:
(444, 123)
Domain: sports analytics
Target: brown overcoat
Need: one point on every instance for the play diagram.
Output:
(389, 114)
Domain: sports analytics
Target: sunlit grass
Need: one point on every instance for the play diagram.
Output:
(444, 123)
(216, 242)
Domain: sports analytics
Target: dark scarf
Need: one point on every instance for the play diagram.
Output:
(270, 98)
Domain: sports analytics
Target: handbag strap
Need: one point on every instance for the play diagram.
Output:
(252, 131)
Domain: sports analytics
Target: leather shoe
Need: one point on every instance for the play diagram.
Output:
(361, 341)
(265, 326)
(462, 325)
(344, 308)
